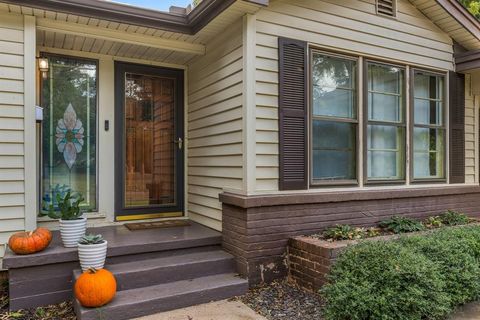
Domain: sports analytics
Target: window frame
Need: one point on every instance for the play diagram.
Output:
(412, 126)
(362, 122)
(356, 121)
(367, 122)
(46, 54)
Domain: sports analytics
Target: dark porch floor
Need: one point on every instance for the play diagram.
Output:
(121, 241)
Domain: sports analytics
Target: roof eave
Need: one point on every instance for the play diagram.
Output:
(464, 60)
(467, 61)
(462, 15)
(199, 17)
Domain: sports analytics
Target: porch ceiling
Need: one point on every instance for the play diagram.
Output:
(73, 32)
(59, 40)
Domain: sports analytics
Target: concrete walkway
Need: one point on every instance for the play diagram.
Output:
(469, 311)
(219, 310)
(235, 310)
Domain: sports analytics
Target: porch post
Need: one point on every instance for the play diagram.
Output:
(249, 104)
(29, 85)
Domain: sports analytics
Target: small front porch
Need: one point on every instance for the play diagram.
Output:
(146, 123)
(148, 138)
(163, 268)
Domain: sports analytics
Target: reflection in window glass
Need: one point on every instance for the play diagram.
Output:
(386, 127)
(385, 93)
(69, 99)
(333, 87)
(334, 124)
(429, 129)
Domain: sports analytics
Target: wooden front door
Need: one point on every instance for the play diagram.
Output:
(149, 160)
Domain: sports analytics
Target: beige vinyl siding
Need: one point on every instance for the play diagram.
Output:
(214, 136)
(12, 188)
(469, 131)
(340, 25)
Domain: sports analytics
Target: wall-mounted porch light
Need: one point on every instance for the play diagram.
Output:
(43, 67)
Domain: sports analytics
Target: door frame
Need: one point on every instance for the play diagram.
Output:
(162, 211)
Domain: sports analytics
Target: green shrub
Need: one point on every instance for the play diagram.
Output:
(414, 277)
(454, 218)
(455, 260)
(401, 225)
(382, 280)
(469, 235)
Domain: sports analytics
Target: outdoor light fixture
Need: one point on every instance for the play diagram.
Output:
(43, 66)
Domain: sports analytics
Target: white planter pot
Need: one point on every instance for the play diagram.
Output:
(72, 230)
(92, 255)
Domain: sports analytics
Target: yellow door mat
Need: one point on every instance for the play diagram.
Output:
(157, 224)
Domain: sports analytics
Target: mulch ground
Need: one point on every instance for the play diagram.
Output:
(279, 300)
(62, 311)
(282, 300)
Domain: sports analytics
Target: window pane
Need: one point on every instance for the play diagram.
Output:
(428, 86)
(334, 150)
(386, 94)
(386, 145)
(383, 107)
(69, 99)
(384, 78)
(428, 92)
(333, 82)
(428, 154)
(428, 112)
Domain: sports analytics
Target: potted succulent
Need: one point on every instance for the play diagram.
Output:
(72, 224)
(92, 251)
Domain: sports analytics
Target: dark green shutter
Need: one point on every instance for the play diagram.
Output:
(293, 114)
(457, 127)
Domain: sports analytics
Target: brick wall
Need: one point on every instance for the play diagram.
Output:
(256, 229)
(309, 261)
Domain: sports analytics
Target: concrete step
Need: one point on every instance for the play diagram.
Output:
(45, 277)
(121, 242)
(184, 266)
(144, 301)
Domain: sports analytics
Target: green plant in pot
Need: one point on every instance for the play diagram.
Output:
(92, 251)
(72, 223)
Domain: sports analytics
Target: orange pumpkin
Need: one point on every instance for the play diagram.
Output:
(30, 242)
(95, 288)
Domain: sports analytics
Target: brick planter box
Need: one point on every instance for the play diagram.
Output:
(309, 260)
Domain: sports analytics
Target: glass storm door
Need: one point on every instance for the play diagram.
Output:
(149, 148)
